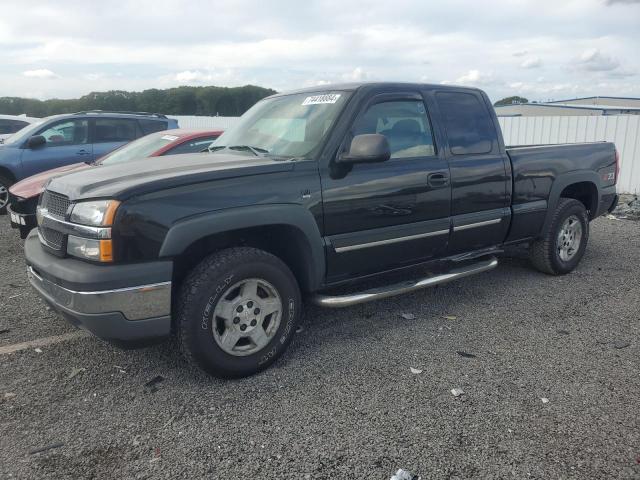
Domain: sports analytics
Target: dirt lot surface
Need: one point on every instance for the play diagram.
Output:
(549, 366)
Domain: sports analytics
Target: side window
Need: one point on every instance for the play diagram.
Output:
(192, 146)
(468, 123)
(69, 132)
(11, 126)
(115, 130)
(152, 126)
(403, 122)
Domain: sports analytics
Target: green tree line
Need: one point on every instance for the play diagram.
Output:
(209, 101)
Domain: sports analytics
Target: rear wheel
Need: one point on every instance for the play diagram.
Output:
(5, 183)
(563, 244)
(237, 312)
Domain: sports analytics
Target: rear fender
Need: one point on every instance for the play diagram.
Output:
(562, 182)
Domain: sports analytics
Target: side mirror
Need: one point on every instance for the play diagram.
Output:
(367, 148)
(36, 141)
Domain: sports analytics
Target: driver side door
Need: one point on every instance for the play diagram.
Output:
(380, 216)
(67, 142)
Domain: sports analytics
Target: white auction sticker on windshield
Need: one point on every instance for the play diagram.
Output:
(321, 99)
(171, 138)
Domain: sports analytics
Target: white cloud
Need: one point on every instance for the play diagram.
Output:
(297, 44)
(192, 76)
(39, 73)
(594, 60)
(531, 62)
(356, 75)
(472, 78)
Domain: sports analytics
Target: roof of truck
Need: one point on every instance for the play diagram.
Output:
(346, 87)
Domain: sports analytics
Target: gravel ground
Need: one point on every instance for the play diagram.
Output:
(343, 403)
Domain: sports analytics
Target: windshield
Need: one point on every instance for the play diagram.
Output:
(141, 148)
(288, 126)
(24, 133)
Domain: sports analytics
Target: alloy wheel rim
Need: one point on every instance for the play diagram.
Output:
(247, 317)
(569, 238)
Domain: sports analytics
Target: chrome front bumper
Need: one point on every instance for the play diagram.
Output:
(134, 303)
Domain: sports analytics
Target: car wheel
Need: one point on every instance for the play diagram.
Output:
(563, 244)
(5, 183)
(237, 312)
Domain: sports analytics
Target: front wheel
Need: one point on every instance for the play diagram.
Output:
(238, 312)
(563, 244)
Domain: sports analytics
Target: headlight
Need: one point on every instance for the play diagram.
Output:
(98, 213)
(89, 248)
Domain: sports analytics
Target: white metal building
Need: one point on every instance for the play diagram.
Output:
(573, 107)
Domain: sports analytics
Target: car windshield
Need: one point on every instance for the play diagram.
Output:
(24, 133)
(287, 126)
(141, 148)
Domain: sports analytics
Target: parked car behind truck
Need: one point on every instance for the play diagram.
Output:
(23, 196)
(311, 189)
(71, 138)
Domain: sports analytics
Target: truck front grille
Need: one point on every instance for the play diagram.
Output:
(56, 206)
(55, 203)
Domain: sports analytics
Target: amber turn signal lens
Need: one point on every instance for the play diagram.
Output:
(106, 251)
(110, 214)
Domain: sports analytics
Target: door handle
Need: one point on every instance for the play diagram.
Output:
(83, 152)
(438, 179)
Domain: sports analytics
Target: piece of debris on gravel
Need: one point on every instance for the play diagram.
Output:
(544, 400)
(408, 316)
(450, 317)
(620, 344)
(466, 354)
(152, 384)
(402, 474)
(628, 208)
(45, 448)
(456, 392)
(76, 371)
(415, 371)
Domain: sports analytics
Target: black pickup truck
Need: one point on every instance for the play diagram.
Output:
(311, 190)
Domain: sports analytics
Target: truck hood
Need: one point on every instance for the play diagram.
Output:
(122, 181)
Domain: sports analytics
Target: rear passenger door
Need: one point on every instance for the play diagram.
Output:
(111, 133)
(378, 216)
(480, 179)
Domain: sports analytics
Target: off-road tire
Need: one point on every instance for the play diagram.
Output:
(200, 294)
(544, 251)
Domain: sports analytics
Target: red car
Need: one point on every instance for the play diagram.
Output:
(23, 196)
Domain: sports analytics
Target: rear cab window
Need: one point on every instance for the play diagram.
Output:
(468, 123)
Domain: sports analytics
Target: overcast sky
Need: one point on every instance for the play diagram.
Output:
(538, 49)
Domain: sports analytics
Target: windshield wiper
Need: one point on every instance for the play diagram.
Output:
(257, 151)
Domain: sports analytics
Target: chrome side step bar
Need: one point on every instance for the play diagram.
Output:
(348, 300)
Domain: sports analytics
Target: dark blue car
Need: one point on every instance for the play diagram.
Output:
(71, 138)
